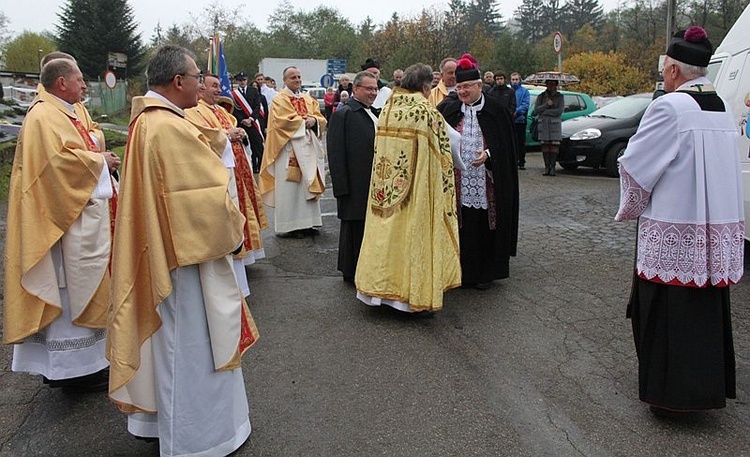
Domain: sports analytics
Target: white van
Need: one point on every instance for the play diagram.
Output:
(730, 71)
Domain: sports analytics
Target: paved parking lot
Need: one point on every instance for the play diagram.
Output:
(541, 364)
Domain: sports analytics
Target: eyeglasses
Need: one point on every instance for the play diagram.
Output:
(368, 88)
(200, 77)
(463, 87)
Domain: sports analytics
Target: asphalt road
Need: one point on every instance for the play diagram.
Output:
(541, 364)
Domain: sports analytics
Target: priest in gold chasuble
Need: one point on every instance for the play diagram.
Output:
(292, 174)
(58, 240)
(410, 252)
(178, 324)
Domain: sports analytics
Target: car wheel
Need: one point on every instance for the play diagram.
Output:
(610, 160)
(568, 166)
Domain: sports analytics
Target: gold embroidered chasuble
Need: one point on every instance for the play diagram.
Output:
(175, 210)
(216, 118)
(284, 121)
(410, 250)
(53, 178)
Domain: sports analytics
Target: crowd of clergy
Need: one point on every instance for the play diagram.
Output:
(131, 277)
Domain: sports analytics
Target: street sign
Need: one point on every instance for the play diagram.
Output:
(327, 80)
(336, 66)
(557, 42)
(110, 79)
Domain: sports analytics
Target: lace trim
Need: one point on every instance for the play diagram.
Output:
(634, 198)
(691, 252)
(473, 179)
(66, 345)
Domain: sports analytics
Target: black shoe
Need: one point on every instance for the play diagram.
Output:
(296, 234)
(95, 382)
(146, 439)
(552, 172)
(546, 173)
(483, 285)
(669, 413)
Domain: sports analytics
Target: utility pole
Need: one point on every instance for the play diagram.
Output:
(671, 7)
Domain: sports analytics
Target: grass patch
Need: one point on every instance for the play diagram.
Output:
(116, 142)
(5, 170)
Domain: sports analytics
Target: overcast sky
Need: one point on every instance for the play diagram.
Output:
(39, 15)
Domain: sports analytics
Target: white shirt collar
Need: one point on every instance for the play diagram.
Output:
(159, 96)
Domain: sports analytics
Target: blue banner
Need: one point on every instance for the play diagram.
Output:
(226, 85)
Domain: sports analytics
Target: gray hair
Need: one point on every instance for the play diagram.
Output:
(416, 76)
(690, 71)
(362, 75)
(445, 61)
(54, 69)
(55, 55)
(169, 60)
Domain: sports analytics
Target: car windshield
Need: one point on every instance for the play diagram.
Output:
(624, 108)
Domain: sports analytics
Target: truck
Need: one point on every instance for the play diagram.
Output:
(729, 69)
(310, 69)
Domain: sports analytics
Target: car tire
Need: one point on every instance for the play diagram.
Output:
(610, 159)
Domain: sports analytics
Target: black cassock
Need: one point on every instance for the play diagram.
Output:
(351, 146)
(488, 238)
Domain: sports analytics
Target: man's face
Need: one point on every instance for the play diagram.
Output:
(449, 74)
(189, 85)
(489, 78)
(515, 80)
(293, 79)
(344, 81)
(260, 80)
(212, 91)
(469, 91)
(436, 77)
(75, 87)
(500, 80)
(366, 90)
(398, 75)
(242, 82)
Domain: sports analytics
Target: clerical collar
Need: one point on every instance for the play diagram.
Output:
(361, 102)
(450, 89)
(700, 85)
(159, 96)
(476, 106)
(65, 104)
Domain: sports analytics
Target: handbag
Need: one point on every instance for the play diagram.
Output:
(534, 128)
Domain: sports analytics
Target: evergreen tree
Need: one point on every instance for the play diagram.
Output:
(485, 14)
(577, 13)
(89, 30)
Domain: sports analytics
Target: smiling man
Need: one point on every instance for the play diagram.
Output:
(292, 172)
(351, 144)
(487, 191)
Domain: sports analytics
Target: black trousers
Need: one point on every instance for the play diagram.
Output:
(520, 131)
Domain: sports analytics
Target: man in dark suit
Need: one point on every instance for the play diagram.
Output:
(351, 141)
(247, 110)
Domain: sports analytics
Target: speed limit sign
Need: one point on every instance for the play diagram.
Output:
(557, 42)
